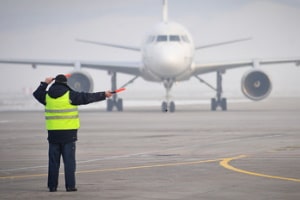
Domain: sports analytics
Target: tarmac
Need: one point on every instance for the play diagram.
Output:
(251, 151)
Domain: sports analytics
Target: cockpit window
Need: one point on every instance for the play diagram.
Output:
(162, 38)
(175, 38)
(171, 38)
(185, 38)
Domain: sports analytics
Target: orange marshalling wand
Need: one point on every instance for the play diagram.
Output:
(68, 75)
(118, 90)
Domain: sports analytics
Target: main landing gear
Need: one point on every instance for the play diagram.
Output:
(168, 105)
(115, 101)
(218, 101)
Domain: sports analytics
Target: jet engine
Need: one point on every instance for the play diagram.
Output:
(256, 85)
(81, 81)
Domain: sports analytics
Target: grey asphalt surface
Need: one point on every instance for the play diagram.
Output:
(252, 151)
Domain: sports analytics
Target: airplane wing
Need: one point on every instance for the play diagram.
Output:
(132, 68)
(132, 48)
(211, 67)
(222, 43)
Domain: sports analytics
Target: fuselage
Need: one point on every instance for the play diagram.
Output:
(167, 53)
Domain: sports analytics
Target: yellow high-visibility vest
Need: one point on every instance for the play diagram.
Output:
(60, 114)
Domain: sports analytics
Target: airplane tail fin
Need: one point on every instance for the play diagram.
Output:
(165, 11)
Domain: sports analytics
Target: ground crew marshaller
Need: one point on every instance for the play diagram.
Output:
(62, 123)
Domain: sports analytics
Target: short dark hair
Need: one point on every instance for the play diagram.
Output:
(61, 78)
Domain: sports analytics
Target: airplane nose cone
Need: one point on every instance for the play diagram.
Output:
(170, 62)
(168, 59)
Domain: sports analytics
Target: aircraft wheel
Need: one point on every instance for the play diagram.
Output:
(164, 107)
(120, 105)
(172, 106)
(109, 105)
(213, 104)
(224, 104)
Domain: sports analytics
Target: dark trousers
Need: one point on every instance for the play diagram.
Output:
(67, 151)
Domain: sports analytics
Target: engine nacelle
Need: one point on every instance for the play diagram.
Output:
(81, 81)
(256, 85)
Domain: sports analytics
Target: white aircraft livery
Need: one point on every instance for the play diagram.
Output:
(167, 56)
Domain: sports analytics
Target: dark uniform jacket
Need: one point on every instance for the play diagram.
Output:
(76, 98)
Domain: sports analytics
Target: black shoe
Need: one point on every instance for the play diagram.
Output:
(71, 189)
(52, 189)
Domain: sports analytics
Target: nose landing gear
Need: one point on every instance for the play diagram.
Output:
(168, 105)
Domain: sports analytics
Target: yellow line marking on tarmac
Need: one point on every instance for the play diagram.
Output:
(119, 169)
(150, 166)
(225, 163)
(23, 176)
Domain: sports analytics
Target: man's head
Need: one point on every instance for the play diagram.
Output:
(61, 78)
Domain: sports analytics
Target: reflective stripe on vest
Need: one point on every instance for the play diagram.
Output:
(62, 117)
(57, 111)
(60, 114)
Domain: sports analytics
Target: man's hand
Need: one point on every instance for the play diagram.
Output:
(108, 94)
(49, 80)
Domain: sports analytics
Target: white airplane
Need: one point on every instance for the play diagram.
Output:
(168, 54)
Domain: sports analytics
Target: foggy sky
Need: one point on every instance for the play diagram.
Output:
(47, 29)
